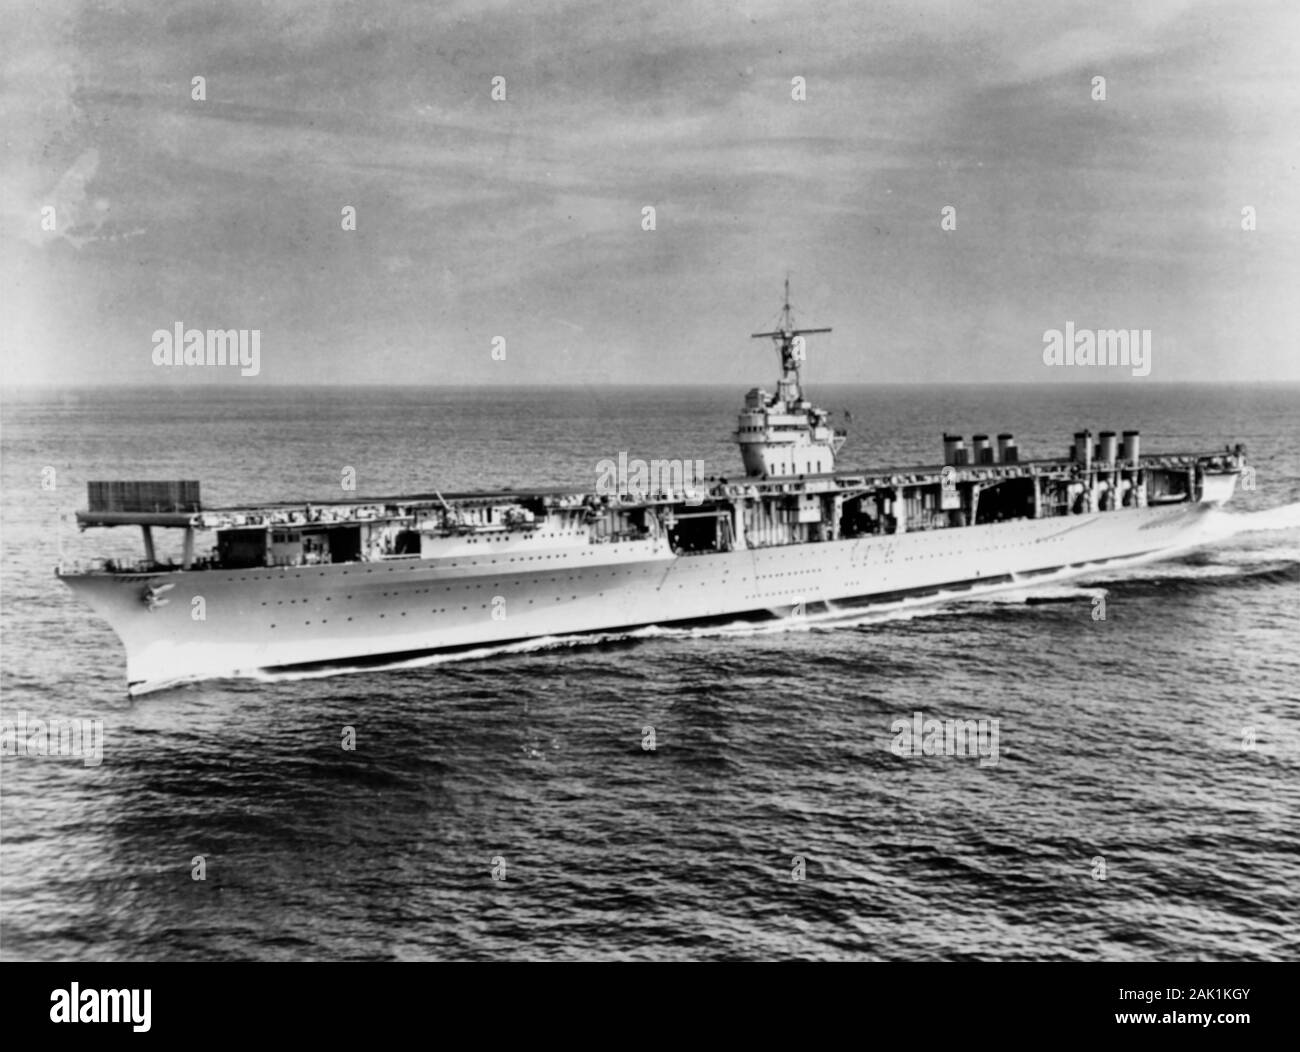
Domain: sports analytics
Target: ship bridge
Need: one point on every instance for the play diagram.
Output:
(783, 435)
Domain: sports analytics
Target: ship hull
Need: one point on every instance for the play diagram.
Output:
(235, 623)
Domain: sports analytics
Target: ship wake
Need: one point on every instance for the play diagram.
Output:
(819, 617)
(1235, 550)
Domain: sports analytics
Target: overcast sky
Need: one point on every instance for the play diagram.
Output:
(522, 218)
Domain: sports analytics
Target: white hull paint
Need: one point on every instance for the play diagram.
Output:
(313, 617)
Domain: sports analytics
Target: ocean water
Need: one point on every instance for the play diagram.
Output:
(1159, 748)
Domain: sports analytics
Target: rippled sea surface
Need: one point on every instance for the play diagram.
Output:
(1159, 748)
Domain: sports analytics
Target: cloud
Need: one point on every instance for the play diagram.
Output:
(478, 217)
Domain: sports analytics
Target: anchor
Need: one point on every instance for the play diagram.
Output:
(152, 596)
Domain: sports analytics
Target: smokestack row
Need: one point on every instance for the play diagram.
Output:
(980, 452)
(1107, 450)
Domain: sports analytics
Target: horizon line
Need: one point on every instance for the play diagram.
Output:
(373, 385)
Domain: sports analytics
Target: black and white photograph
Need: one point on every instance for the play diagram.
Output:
(701, 481)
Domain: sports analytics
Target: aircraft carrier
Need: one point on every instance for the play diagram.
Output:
(344, 585)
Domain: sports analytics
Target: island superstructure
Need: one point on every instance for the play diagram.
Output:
(349, 584)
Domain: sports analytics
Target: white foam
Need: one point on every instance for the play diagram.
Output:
(1283, 517)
